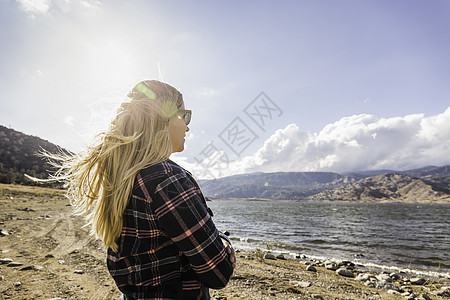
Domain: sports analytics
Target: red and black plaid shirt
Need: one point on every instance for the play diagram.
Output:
(169, 247)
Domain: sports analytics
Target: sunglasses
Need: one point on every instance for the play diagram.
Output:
(187, 113)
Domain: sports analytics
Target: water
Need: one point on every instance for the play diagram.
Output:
(406, 235)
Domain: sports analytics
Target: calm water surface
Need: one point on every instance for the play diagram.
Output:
(393, 234)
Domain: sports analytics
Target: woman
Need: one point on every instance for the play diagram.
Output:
(148, 211)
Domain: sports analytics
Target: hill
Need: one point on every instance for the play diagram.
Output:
(19, 156)
(387, 187)
(280, 185)
(431, 181)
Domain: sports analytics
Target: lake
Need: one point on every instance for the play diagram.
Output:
(406, 235)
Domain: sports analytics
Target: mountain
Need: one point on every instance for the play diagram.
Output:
(436, 175)
(425, 184)
(280, 185)
(387, 187)
(19, 156)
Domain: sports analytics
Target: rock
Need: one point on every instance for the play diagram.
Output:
(331, 266)
(370, 284)
(303, 284)
(3, 232)
(5, 260)
(424, 296)
(281, 256)
(1, 278)
(394, 292)
(388, 286)
(311, 268)
(49, 256)
(345, 272)
(14, 264)
(34, 268)
(270, 256)
(364, 277)
(384, 277)
(317, 297)
(395, 276)
(444, 291)
(346, 263)
(17, 283)
(79, 272)
(417, 281)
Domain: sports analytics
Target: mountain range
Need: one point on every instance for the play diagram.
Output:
(428, 184)
(18, 156)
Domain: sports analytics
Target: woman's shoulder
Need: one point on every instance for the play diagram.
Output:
(164, 169)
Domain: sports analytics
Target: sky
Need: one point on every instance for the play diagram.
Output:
(274, 86)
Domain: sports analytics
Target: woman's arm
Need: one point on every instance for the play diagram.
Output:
(184, 218)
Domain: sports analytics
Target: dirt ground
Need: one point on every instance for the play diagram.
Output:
(45, 253)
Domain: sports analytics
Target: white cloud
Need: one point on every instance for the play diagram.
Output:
(69, 120)
(34, 7)
(40, 7)
(353, 143)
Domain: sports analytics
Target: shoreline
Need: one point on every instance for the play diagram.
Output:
(275, 276)
(327, 201)
(359, 261)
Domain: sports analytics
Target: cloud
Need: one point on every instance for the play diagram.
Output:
(34, 7)
(43, 7)
(69, 120)
(358, 142)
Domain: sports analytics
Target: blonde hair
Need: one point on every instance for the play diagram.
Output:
(99, 180)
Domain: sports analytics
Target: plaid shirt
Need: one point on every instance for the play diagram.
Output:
(169, 247)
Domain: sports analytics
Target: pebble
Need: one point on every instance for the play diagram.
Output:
(364, 277)
(395, 276)
(317, 297)
(331, 266)
(417, 281)
(3, 232)
(1, 278)
(79, 272)
(14, 264)
(444, 291)
(311, 268)
(281, 256)
(270, 256)
(303, 284)
(5, 261)
(17, 284)
(345, 272)
(384, 277)
(34, 268)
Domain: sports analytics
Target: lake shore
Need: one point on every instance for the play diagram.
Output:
(45, 253)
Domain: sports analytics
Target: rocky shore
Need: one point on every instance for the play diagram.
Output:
(45, 253)
(272, 276)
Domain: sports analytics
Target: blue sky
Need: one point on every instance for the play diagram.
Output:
(349, 85)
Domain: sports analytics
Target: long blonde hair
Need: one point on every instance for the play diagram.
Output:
(99, 180)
